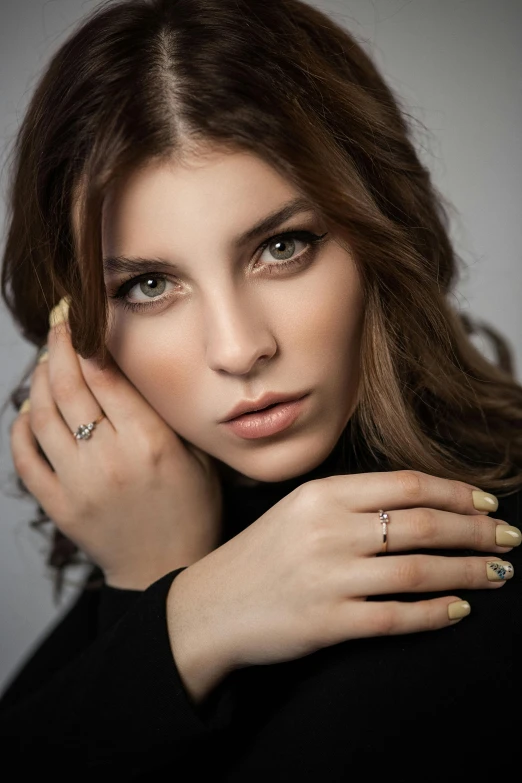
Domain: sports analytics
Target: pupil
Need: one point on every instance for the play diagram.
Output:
(283, 245)
(151, 286)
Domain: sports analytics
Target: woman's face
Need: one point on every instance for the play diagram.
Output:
(224, 322)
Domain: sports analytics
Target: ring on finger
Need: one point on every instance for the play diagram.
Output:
(384, 519)
(84, 431)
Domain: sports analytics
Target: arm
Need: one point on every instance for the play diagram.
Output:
(121, 701)
(202, 659)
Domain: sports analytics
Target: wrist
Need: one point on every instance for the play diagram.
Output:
(143, 577)
(201, 659)
(136, 580)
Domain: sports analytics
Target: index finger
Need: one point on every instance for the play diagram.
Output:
(117, 395)
(119, 399)
(366, 492)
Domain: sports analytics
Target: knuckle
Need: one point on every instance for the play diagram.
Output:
(424, 524)
(431, 616)
(385, 620)
(311, 500)
(411, 483)
(318, 537)
(472, 574)
(152, 447)
(479, 532)
(409, 572)
(81, 508)
(311, 492)
(115, 474)
(459, 493)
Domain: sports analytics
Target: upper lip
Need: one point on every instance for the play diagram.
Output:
(271, 398)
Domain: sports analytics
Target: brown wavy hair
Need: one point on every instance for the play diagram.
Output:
(155, 79)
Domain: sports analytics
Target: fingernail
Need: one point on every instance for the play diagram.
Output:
(483, 501)
(43, 355)
(458, 609)
(25, 406)
(506, 535)
(499, 570)
(59, 313)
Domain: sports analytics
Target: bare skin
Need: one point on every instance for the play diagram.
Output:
(143, 496)
(296, 580)
(123, 496)
(228, 323)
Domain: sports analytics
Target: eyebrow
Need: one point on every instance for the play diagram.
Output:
(115, 264)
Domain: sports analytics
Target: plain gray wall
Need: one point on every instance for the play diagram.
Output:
(457, 66)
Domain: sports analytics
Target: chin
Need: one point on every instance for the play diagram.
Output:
(277, 468)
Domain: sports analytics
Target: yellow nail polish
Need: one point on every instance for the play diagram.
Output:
(25, 407)
(458, 609)
(43, 355)
(499, 570)
(484, 501)
(506, 535)
(60, 312)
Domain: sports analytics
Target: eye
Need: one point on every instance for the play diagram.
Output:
(282, 250)
(282, 256)
(151, 287)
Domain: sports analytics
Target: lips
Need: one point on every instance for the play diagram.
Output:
(271, 420)
(259, 410)
(266, 401)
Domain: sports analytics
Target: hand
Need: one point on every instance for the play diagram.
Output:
(135, 497)
(296, 579)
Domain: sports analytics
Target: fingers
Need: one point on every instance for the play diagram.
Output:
(401, 489)
(38, 477)
(59, 402)
(82, 389)
(118, 397)
(65, 382)
(49, 428)
(385, 618)
(428, 528)
(425, 574)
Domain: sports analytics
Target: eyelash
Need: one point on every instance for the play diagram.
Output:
(306, 236)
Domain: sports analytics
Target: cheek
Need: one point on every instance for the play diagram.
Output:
(157, 359)
(327, 317)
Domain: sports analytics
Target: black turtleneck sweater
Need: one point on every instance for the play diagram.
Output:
(101, 697)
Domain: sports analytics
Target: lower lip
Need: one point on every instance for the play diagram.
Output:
(267, 422)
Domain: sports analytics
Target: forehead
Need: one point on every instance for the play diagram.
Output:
(170, 205)
(211, 182)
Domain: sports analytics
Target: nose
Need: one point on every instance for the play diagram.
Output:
(238, 336)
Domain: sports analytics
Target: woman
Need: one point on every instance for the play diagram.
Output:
(221, 207)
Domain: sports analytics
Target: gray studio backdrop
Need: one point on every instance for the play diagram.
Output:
(457, 66)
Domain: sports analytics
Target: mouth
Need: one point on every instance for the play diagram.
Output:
(266, 403)
(270, 420)
(259, 410)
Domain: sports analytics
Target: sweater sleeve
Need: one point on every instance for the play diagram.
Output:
(117, 705)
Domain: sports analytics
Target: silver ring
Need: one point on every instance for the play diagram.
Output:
(84, 431)
(384, 519)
